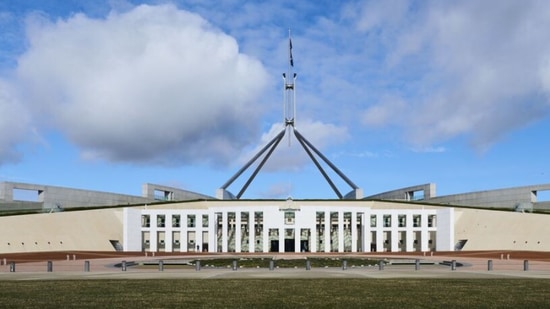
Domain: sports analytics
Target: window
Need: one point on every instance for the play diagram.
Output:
(289, 217)
(387, 220)
(161, 220)
(416, 220)
(402, 219)
(204, 220)
(145, 220)
(372, 220)
(175, 220)
(190, 220)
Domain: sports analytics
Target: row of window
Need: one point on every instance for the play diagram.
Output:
(289, 219)
(176, 220)
(402, 220)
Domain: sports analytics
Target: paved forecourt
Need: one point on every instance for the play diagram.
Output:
(501, 266)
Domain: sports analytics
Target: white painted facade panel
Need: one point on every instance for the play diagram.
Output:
(288, 228)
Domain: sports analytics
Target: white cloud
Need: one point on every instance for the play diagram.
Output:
(481, 70)
(290, 156)
(389, 110)
(373, 15)
(14, 121)
(153, 84)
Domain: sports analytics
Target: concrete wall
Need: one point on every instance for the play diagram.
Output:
(61, 231)
(501, 198)
(92, 230)
(52, 197)
(12, 206)
(57, 198)
(169, 193)
(425, 191)
(502, 230)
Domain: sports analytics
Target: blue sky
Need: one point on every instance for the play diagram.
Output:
(107, 95)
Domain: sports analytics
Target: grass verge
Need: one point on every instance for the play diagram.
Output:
(276, 293)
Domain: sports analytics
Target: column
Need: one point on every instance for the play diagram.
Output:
(394, 233)
(212, 232)
(198, 233)
(282, 239)
(365, 231)
(327, 230)
(153, 234)
(238, 231)
(168, 236)
(340, 231)
(251, 232)
(297, 239)
(265, 237)
(225, 224)
(313, 231)
(424, 234)
(409, 233)
(184, 241)
(379, 232)
(354, 237)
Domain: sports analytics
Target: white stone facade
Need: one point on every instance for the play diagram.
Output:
(288, 228)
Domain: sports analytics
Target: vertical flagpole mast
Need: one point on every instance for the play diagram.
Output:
(289, 98)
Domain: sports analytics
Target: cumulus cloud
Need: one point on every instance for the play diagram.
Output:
(484, 69)
(14, 122)
(153, 84)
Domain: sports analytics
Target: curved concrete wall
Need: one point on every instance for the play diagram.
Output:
(92, 230)
(502, 230)
(61, 231)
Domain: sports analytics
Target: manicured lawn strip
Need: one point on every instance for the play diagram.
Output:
(289, 263)
(277, 293)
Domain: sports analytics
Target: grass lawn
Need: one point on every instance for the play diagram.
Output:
(277, 293)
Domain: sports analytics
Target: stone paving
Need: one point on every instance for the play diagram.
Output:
(71, 268)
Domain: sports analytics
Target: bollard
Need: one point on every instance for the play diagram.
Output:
(87, 266)
(501, 256)
(308, 265)
(68, 257)
(49, 266)
(381, 265)
(417, 264)
(197, 265)
(161, 265)
(123, 266)
(271, 264)
(12, 267)
(508, 256)
(489, 265)
(234, 264)
(525, 265)
(453, 265)
(5, 261)
(344, 264)
(74, 257)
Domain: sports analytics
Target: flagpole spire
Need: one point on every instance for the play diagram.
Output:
(289, 95)
(289, 120)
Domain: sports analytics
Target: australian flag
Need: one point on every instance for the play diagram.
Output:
(290, 52)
